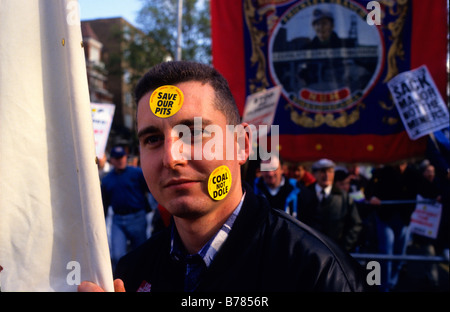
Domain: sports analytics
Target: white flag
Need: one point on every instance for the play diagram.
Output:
(52, 226)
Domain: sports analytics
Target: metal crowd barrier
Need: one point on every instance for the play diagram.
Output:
(387, 257)
(404, 201)
(423, 201)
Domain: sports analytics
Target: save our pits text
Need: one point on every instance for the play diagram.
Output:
(165, 102)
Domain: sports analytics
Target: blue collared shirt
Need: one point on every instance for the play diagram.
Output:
(197, 264)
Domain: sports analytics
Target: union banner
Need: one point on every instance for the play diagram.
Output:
(333, 60)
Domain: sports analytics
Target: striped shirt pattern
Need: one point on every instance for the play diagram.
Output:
(197, 264)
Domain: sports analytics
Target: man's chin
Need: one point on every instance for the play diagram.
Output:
(187, 208)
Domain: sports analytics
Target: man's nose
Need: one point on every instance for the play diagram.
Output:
(175, 152)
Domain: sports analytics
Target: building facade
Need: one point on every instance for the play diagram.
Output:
(117, 53)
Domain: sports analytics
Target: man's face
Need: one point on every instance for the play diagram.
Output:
(323, 28)
(343, 185)
(299, 172)
(429, 173)
(324, 176)
(273, 178)
(177, 183)
(119, 163)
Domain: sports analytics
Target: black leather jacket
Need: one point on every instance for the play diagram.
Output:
(267, 250)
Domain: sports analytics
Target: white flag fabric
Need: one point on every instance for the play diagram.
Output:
(52, 226)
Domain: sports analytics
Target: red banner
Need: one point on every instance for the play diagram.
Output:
(335, 102)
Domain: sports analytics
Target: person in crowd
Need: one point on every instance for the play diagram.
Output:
(342, 180)
(442, 244)
(427, 274)
(333, 213)
(301, 174)
(236, 243)
(358, 185)
(125, 191)
(429, 186)
(396, 184)
(280, 191)
(358, 181)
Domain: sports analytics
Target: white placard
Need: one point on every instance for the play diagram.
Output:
(260, 108)
(426, 218)
(102, 117)
(419, 103)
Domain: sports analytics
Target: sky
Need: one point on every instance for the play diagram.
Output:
(93, 9)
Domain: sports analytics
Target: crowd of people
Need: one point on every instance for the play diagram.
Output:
(339, 206)
(366, 209)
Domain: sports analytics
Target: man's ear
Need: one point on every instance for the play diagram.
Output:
(243, 138)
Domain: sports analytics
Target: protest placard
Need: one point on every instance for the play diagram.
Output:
(102, 116)
(260, 108)
(419, 103)
(426, 218)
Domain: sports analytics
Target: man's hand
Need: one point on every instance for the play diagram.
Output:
(86, 286)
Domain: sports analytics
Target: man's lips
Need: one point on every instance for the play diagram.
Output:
(179, 183)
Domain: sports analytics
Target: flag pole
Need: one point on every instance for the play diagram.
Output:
(179, 31)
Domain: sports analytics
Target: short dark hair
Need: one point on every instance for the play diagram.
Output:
(173, 72)
(340, 175)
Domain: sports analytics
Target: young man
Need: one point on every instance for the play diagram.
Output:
(237, 243)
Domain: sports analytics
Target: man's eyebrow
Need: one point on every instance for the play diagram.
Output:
(190, 122)
(147, 130)
(187, 122)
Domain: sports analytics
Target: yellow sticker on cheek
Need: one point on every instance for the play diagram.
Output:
(166, 101)
(219, 183)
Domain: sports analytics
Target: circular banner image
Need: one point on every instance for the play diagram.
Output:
(166, 101)
(325, 55)
(219, 183)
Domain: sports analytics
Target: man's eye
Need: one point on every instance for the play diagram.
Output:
(153, 139)
(197, 133)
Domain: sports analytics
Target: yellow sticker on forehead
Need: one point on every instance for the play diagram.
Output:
(219, 183)
(166, 101)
